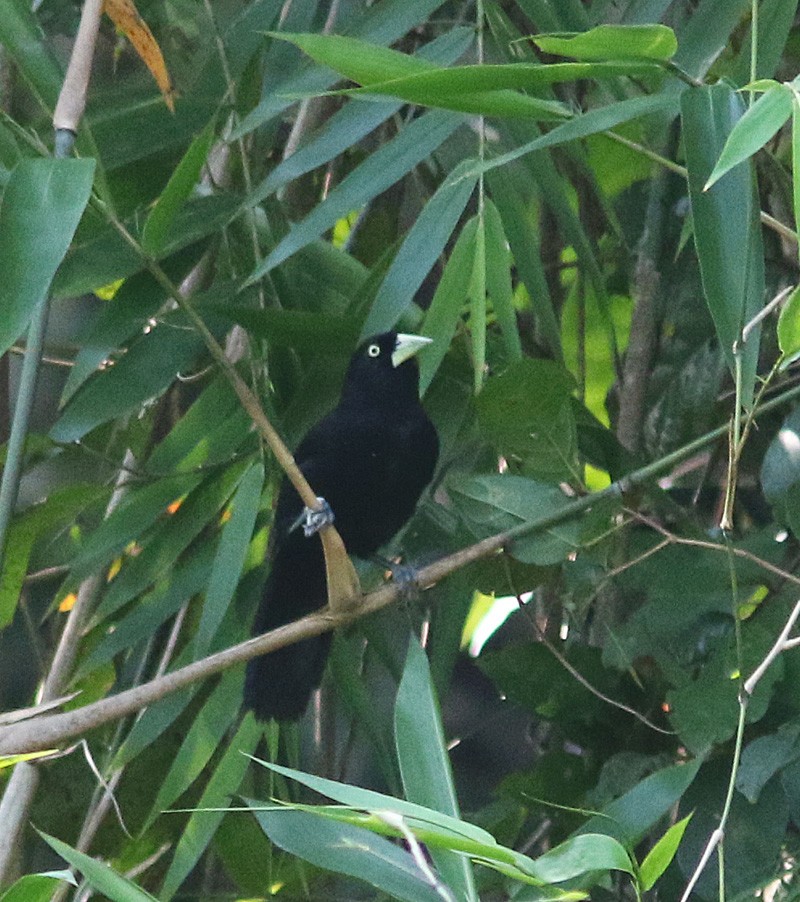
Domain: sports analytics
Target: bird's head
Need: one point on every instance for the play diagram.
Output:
(385, 366)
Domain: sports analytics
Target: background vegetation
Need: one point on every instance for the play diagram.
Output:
(595, 224)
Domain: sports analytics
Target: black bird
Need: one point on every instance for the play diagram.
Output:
(370, 459)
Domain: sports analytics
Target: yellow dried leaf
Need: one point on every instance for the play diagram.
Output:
(67, 602)
(126, 18)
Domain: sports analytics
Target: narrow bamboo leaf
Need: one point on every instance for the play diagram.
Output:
(202, 824)
(139, 509)
(379, 171)
(42, 205)
(299, 329)
(424, 761)
(789, 329)
(21, 36)
(36, 887)
(187, 579)
(159, 716)
(176, 193)
(598, 120)
(98, 874)
(201, 741)
(231, 552)
(349, 850)
(171, 539)
(420, 250)
(613, 42)
(796, 160)
(477, 306)
(354, 121)
(493, 82)
(147, 369)
(368, 799)
(498, 280)
(59, 510)
(513, 193)
(660, 856)
(106, 257)
(208, 433)
(727, 230)
(758, 124)
(705, 33)
(487, 89)
(382, 23)
(138, 299)
(357, 60)
(444, 314)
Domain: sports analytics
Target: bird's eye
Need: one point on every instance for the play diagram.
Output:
(373, 350)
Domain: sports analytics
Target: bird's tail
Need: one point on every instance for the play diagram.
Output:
(279, 685)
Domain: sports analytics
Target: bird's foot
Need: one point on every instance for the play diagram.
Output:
(313, 521)
(404, 576)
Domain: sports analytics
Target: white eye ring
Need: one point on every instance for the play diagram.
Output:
(373, 351)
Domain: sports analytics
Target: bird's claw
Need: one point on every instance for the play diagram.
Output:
(404, 576)
(314, 520)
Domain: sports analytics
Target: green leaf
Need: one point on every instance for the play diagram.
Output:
(379, 171)
(796, 159)
(21, 36)
(577, 856)
(36, 887)
(526, 412)
(765, 756)
(491, 504)
(298, 329)
(629, 817)
(383, 23)
(758, 124)
(99, 875)
(780, 468)
(580, 855)
(368, 800)
(42, 205)
(424, 761)
(202, 824)
(789, 329)
(468, 89)
(104, 256)
(340, 847)
(201, 741)
(58, 511)
(589, 123)
(181, 184)
(145, 371)
(171, 538)
(515, 196)
(139, 509)
(477, 307)
(444, 314)
(231, 552)
(354, 121)
(187, 579)
(420, 250)
(727, 230)
(612, 42)
(498, 280)
(660, 856)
